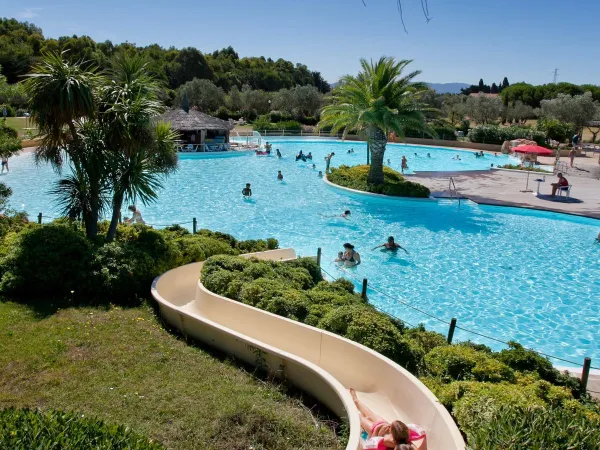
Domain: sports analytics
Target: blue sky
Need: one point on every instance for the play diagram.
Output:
(524, 40)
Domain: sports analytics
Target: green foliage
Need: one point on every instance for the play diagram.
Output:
(555, 129)
(202, 94)
(57, 259)
(525, 168)
(23, 429)
(491, 134)
(458, 362)
(394, 183)
(529, 427)
(45, 260)
(9, 141)
(264, 123)
(533, 95)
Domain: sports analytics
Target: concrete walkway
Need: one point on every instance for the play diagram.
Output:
(502, 187)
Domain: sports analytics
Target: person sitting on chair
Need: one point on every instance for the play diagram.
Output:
(562, 183)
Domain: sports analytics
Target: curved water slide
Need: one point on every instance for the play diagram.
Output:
(319, 362)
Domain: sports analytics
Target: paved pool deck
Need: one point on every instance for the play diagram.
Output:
(503, 187)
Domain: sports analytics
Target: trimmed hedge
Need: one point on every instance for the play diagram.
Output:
(24, 429)
(394, 183)
(473, 382)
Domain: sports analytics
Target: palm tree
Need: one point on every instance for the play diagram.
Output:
(60, 93)
(62, 98)
(142, 149)
(377, 101)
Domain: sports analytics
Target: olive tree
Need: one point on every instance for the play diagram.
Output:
(576, 109)
(484, 109)
(201, 93)
(454, 108)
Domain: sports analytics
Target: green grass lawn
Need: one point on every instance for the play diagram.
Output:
(122, 366)
(19, 123)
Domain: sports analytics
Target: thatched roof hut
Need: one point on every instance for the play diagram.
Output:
(198, 131)
(193, 120)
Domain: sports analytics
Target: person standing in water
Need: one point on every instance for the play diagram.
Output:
(391, 245)
(279, 175)
(247, 192)
(136, 217)
(328, 161)
(4, 164)
(278, 153)
(404, 164)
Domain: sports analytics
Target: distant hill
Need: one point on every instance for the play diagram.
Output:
(448, 88)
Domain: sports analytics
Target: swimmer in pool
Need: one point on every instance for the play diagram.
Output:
(278, 153)
(279, 175)
(314, 166)
(391, 245)
(389, 162)
(320, 174)
(247, 192)
(340, 257)
(346, 214)
(429, 155)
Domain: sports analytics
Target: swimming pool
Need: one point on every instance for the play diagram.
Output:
(440, 159)
(510, 273)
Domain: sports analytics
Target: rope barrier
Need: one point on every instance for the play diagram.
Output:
(370, 286)
(378, 309)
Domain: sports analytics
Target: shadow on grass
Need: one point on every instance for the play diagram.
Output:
(317, 410)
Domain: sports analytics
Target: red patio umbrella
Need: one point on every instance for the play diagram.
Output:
(532, 150)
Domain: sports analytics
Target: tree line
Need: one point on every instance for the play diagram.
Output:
(22, 45)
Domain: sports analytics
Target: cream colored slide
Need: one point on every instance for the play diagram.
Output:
(319, 362)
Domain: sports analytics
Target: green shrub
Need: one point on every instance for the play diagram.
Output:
(428, 340)
(50, 260)
(555, 129)
(310, 265)
(24, 429)
(223, 282)
(529, 427)
(394, 183)
(491, 134)
(459, 362)
(279, 116)
(222, 113)
(525, 168)
(377, 331)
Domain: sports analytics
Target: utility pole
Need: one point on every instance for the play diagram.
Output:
(555, 76)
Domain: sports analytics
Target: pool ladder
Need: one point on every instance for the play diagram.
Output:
(453, 191)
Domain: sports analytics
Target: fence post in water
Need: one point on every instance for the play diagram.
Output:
(319, 257)
(40, 218)
(585, 373)
(364, 289)
(194, 225)
(451, 330)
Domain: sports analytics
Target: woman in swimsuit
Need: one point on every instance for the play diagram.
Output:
(279, 175)
(351, 258)
(396, 435)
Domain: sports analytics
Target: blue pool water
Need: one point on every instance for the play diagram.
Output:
(509, 273)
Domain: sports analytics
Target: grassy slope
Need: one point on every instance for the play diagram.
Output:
(122, 366)
(18, 123)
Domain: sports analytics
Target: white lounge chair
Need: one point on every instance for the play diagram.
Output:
(566, 190)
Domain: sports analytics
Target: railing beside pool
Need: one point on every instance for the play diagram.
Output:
(452, 324)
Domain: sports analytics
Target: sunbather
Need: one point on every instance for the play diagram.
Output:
(396, 435)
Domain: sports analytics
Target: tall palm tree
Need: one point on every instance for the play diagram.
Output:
(378, 101)
(60, 93)
(62, 98)
(142, 149)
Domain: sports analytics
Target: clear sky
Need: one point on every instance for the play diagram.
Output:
(524, 40)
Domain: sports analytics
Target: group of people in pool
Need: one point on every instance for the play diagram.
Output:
(351, 258)
(304, 157)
